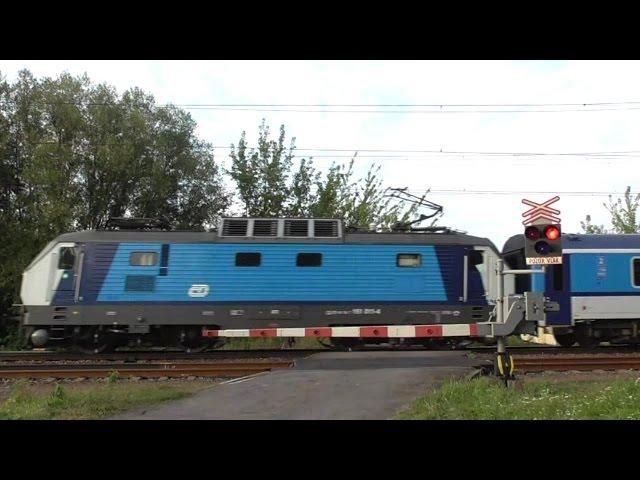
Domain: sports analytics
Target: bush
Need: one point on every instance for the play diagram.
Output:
(12, 337)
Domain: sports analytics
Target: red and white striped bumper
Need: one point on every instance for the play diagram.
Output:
(388, 331)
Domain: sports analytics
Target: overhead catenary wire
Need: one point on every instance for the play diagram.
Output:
(385, 108)
(407, 111)
(518, 192)
(345, 105)
(396, 153)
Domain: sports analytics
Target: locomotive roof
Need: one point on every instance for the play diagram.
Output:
(206, 237)
(583, 241)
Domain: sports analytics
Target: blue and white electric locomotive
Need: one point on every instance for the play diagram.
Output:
(100, 289)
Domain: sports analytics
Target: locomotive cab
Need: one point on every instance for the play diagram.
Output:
(52, 278)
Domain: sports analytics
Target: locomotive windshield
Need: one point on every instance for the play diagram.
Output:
(67, 258)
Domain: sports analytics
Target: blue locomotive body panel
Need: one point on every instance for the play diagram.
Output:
(347, 273)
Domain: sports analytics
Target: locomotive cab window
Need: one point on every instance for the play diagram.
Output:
(245, 259)
(476, 258)
(66, 258)
(410, 260)
(309, 260)
(635, 272)
(143, 259)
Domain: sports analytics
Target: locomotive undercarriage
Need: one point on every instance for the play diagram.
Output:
(154, 325)
(591, 333)
(93, 339)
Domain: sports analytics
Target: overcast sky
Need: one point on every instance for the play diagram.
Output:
(615, 128)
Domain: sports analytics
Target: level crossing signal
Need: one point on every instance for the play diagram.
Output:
(543, 235)
(543, 244)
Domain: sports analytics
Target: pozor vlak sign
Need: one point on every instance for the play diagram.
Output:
(542, 233)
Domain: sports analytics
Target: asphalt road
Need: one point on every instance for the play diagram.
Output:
(332, 385)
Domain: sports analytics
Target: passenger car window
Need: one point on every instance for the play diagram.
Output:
(143, 259)
(636, 272)
(309, 260)
(409, 260)
(66, 258)
(245, 259)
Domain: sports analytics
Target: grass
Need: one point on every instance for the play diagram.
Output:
(269, 343)
(86, 401)
(488, 399)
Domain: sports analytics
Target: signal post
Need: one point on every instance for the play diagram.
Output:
(543, 246)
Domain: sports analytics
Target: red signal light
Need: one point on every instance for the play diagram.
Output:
(532, 233)
(552, 233)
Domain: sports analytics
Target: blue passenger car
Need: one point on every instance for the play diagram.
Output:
(597, 287)
(100, 288)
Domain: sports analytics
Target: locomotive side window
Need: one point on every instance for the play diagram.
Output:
(143, 259)
(636, 272)
(247, 259)
(411, 260)
(67, 258)
(309, 260)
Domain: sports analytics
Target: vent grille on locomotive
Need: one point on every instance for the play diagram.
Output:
(280, 227)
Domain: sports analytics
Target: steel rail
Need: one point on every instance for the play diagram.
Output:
(238, 369)
(590, 363)
(134, 356)
(557, 350)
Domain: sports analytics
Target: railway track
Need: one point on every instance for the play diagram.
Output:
(148, 355)
(582, 363)
(145, 370)
(548, 349)
(134, 356)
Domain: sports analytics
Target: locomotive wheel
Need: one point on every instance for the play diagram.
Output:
(566, 339)
(584, 339)
(92, 341)
(192, 341)
(587, 342)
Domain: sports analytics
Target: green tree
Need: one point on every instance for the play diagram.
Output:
(302, 192)
(73, 153)
(588, 227)
(623, 215)
(362, 203)
(269, 186)
(333, 192)
(262, 174)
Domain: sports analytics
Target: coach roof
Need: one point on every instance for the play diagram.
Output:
(89, 236)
